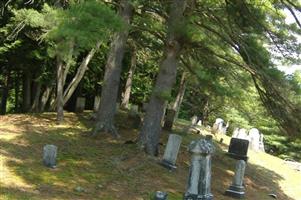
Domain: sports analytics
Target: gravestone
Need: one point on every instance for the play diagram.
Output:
(235, 132)
(242, 134)
(161, 195)
(217, 126)
(194, 120)
(261, 143)
(237, 189)
(199, 123)
(169, 119)
(135, 116)
(49, 155)
(171, 151)
(80, 104)
(238, 149)
(96, 103)
(254, 138)
(199, 180)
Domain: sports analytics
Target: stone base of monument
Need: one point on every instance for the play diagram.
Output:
(197, 197)
(236, 192)
(167, 165)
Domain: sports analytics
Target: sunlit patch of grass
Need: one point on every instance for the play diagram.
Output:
(107, 168)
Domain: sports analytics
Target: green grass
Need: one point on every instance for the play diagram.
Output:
(110, 169)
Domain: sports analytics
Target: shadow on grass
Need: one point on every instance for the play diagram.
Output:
(108, 169)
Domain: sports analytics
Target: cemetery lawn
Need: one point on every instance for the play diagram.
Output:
(106, 168)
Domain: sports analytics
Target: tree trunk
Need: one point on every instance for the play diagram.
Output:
(79, 74)
(45, 97)
(27, 91)
(150, 133)
(17, 90)
(5, 94)
(36, 101)
(59, 92)
(180, 96)
(128, 85)
(107, 108)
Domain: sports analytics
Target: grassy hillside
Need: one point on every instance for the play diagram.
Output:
(105, 168)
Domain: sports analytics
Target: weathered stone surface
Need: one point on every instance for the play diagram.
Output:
(171, 151)
(254, 138)
(242, 134)
(80, 104)
(96, 103)
(237, 190)
(49, 155)
(199, 181)
(161, 195)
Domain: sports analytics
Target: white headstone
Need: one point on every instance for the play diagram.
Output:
(261, 143)
(254, 138)
(235, 132)
(194, 120)
(242, 134)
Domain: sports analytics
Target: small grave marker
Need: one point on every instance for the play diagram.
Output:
(49, 155)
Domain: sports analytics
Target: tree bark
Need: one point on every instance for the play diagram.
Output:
(45, 97)
(150, 133)
(59, 94)
(79, 74)
(36, 101)
(27, 91)
(17, 90)
(5, 94)
(107, 108)
(128, 85)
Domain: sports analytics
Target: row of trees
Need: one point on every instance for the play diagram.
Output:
(212, 57)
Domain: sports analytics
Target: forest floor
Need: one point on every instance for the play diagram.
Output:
(106, 168)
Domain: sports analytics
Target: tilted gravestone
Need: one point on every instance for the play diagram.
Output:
(96, 103)
(237, 189)
(199, 180)
(80, 104)
(49, 155)
(171, 151)
(238, 149)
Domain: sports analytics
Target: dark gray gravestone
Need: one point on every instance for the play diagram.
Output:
(169, 119)
(80, 104)
(171, 151)
(49, 155)
(96, 103)
(199, 181)
(160, 195)
(238, 149)
(237, 190)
